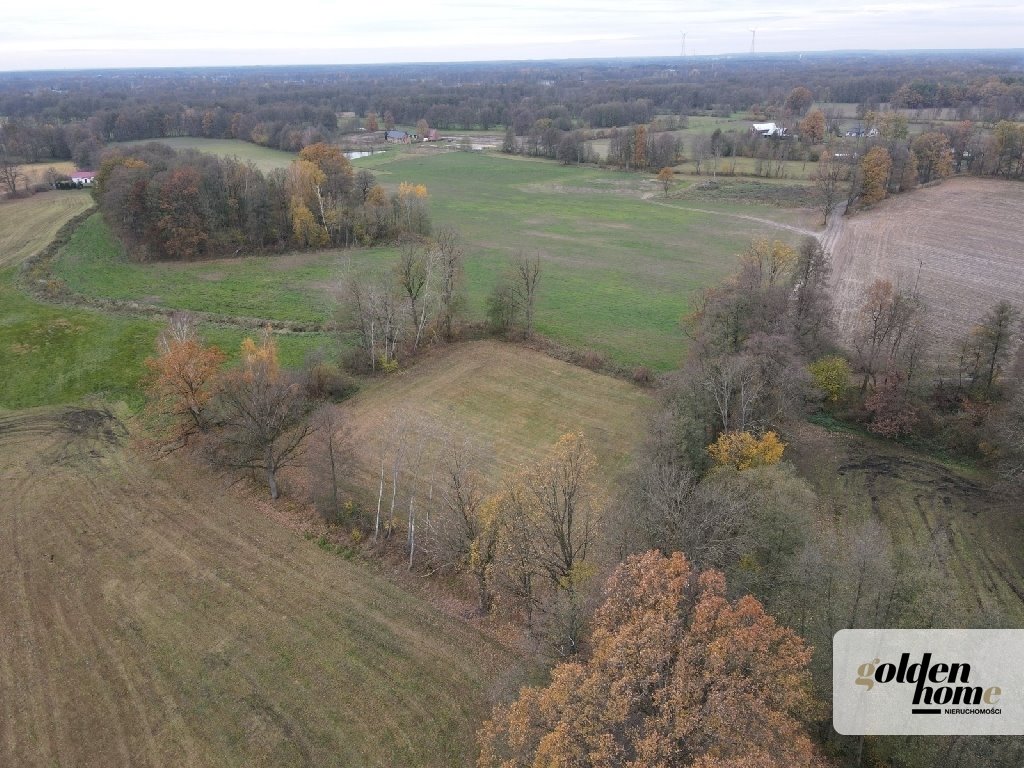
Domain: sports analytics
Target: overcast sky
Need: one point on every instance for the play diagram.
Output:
(55, 34)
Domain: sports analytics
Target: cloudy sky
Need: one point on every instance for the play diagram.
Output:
(55, 34)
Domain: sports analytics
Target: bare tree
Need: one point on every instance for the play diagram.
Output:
(735, 385)
(464, 533)
(262, 417)
(669, 509)
(414, 271)
(699, 152)
(11, 173)
(812, 310)
(449, 256)
(829, 178)
(887, 329)
(330, 459)
(527, 278)
(372, 312)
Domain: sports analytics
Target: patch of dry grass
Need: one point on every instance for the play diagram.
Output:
(512, 402)
(27, 225)
(151, 617)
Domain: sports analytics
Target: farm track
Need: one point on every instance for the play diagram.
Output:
(743, 216)
(150, 619)
(935, 514)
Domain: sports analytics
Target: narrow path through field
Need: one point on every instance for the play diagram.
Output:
(766, 222)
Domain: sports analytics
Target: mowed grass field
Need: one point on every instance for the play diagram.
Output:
(52, 354)
(944, 515)
(959, 242)
(153, 618)
(510, 404)
(28, 225)
(265, 158)
(619, 272)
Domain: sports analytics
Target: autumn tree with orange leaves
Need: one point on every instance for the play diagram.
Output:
(180, 384)
(679, 676)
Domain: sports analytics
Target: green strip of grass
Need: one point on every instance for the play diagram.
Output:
(51, 355)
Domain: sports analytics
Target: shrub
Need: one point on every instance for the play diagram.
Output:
(643, 376)
(831, 375)
(593, 360)
(325, 381)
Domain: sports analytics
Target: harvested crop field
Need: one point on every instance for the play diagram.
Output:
(149, 617)
(29, 224)
(964, 237)
(510, 402)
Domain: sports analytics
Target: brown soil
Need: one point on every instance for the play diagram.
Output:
(961, 242)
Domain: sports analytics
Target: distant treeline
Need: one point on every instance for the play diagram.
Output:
(70, 115)
(165, 204)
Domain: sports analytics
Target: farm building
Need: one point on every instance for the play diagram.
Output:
(83, 178)
(767, 129)
(401, 137)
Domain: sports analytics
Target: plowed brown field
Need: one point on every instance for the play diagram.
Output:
(961, 241)
(150, 618)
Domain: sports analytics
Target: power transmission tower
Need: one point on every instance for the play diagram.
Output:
(683, 49)
(753, 39)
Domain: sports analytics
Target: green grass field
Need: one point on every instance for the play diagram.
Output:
(619, 271)
(265, 158)
(51, 354)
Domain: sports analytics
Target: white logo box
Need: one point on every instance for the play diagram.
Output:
(928, 682)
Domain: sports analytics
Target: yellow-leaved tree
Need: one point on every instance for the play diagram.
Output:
(744, 450)
(875, 168)
(181, 382)
(831, 375)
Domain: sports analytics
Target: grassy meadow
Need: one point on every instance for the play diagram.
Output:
(619, 270)
(265, 158)
(510, 402)
(28, 225)
(52, 354)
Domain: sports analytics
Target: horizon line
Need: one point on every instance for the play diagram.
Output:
(438, 62)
